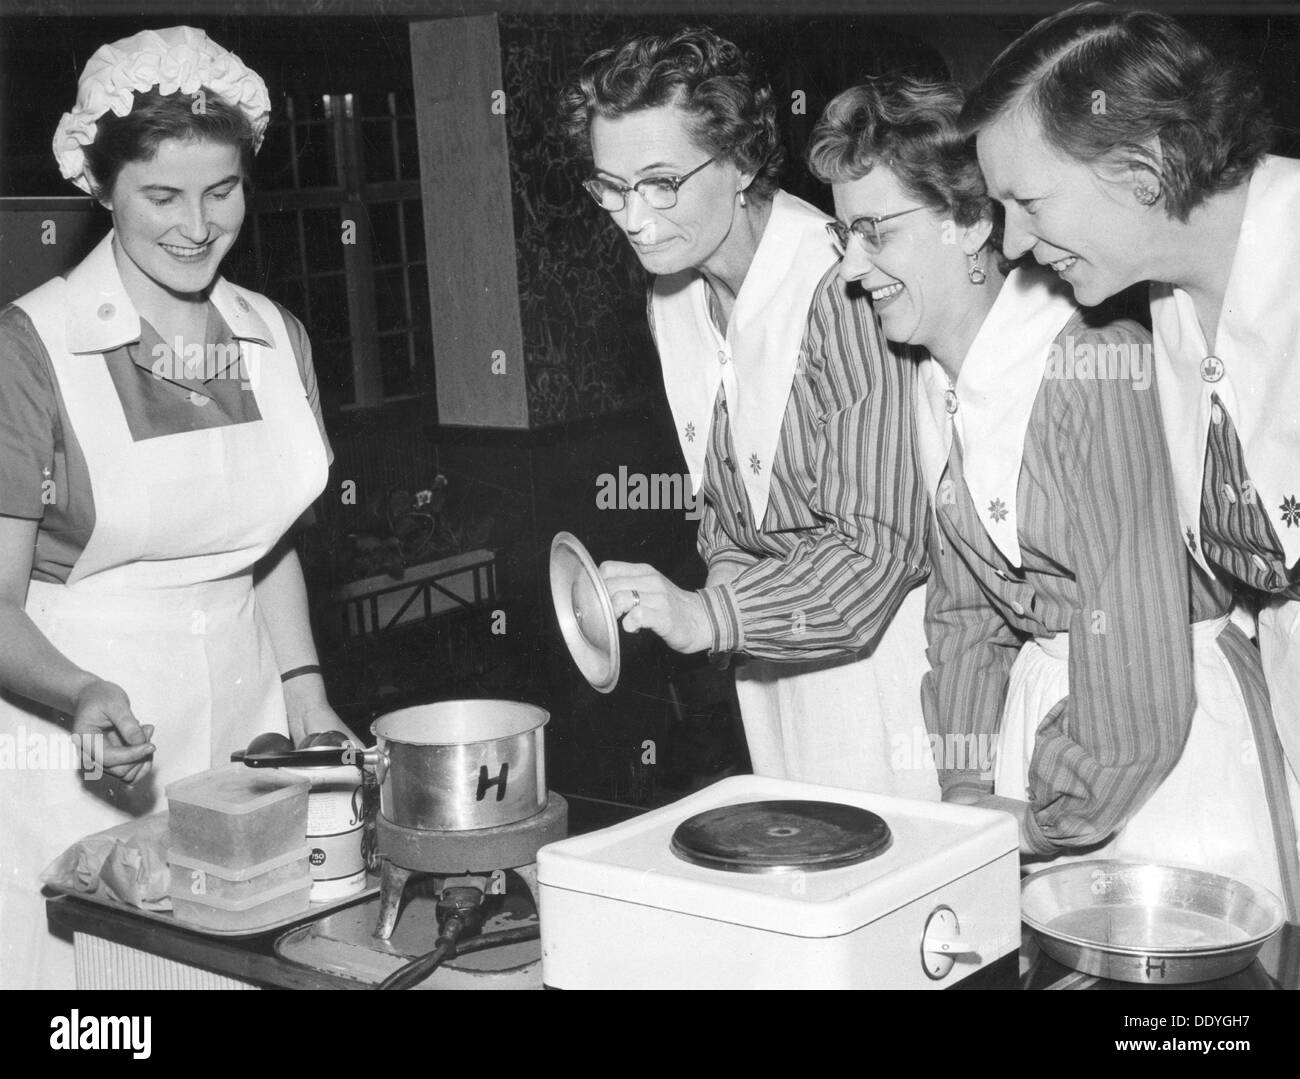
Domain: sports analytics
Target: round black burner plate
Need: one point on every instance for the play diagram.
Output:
(776, 836)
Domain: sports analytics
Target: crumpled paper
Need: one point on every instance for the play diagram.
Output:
(126, 864)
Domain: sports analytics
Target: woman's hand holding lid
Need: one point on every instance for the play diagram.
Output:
(644, 598)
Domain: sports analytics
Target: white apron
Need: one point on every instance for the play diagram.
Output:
(855, 723)
(160, 602)
(1279, 651)
(1255, 372)
(1211, 812)
(852, 722)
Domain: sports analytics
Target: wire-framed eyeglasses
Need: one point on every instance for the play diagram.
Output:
(866, 229)
(658, 192)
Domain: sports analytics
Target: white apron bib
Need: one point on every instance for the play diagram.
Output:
(854, 724)
(1211, 812)
(160, 602)
(1256, 374)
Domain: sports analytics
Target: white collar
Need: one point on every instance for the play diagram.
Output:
(755, 361)
(993, 399)
(1258, 344)
(101, 316)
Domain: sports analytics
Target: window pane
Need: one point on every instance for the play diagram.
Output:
(289, 294)
(395, 361)
(310, 107)
(390, 300)
(377, 146)
(333, 363)
(385, 233)
(422, 340)
(324, 239)
(408, 149)
(240, 265)
(413, 221)
(281, 256)
(373, 104)
(316, 166)
(420, 298)
(273, 166)
(329, 308)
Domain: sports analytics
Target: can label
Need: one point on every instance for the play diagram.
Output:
(335, 856)
(336, 808)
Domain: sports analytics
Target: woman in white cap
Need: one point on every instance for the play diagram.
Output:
(159, 435)
(794, 421)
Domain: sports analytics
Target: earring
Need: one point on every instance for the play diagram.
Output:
(743, 203)
(975, 271)
(1146, 194)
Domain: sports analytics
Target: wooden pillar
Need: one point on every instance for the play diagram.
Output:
(468, 222)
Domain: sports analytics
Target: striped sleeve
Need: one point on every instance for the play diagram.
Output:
(718, 550)
(836, 588)
(1102, 751)
(971, 650)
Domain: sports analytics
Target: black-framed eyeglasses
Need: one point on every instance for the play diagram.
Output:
(866, 229)
(659, 192)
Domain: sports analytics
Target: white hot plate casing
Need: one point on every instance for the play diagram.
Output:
(619, 910)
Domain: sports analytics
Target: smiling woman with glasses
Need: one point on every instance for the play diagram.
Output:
(795, 426)
(1062, 658)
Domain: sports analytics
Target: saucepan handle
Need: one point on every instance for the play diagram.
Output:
(323, 757)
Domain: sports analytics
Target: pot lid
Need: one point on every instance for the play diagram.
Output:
(585, 612)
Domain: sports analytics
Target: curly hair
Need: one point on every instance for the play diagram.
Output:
(1104, 81)
(909, 126)
(730, 115)
(153, 119)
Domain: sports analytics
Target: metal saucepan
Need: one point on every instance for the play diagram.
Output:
(450, 766)
(1150, 924)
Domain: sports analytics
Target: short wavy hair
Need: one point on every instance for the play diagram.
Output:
(156, 117)
(909, 126)
(1158, 82)
(731, 114)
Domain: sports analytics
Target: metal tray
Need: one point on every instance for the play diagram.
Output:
(156, 821)
(168, 918)
(1148, 924)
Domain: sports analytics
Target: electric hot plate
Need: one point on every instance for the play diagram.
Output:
(777, 836)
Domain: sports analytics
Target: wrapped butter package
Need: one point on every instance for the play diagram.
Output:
(127, 863)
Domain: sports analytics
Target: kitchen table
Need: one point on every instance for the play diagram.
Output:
(251, 961)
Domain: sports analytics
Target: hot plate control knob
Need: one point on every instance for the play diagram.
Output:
(942, 943)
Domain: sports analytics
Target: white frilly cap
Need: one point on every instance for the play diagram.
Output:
(178, 58)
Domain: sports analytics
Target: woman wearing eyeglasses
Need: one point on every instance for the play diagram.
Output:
(795, 425)
(1058, 609)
